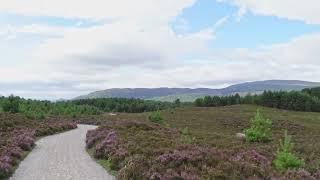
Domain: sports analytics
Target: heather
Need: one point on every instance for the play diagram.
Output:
(18, 135)
(200, 143)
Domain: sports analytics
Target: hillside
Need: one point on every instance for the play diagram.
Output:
(187, 94)
(164, 151)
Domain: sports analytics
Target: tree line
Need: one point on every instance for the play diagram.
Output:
(36, 109)
(126, 105)
(305, 100)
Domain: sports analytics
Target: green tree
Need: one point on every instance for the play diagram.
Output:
(11, 104)
(177, 103)
(285, 159)
(260, 129)
(156, 117)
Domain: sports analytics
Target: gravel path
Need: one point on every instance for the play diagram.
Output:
(61, 157)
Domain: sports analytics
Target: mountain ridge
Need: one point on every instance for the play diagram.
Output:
(190, 94)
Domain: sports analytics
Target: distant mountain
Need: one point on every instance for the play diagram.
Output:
(145, 93)
(187, 94)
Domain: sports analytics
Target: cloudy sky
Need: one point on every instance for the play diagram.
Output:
(54, 49)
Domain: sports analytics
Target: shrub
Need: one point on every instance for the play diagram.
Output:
(156, 117)
(11, 105)
(285, 159)
(260, 129)
(5, 166)
(186, 136)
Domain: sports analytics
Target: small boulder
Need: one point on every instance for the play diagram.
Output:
(240, 136)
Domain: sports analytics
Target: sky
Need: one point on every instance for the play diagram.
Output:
(62, 49)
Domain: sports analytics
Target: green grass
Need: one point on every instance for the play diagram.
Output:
(104, 163)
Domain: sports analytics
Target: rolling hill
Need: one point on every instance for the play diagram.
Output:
(188, 94)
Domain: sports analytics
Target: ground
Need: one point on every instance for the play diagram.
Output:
(61, 157)
(216, 128)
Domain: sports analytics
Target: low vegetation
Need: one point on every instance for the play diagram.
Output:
(186, 136)
(156, 117)
(136, 148)
(177, 141)
(260, 129)
(285, 159)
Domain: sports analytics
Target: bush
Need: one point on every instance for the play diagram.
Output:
(156, 117)
(186, 136)
(11, 104)
(260, 130)
(5, 166)
(284, 158)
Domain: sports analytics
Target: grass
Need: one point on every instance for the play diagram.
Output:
(103, 162)
(215, 127)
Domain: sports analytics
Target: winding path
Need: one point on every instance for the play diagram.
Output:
(61, 157)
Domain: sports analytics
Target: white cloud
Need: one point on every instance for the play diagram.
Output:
(10, 32)
(296, 59)
(140, 49)
(307, 11)
(154, 10)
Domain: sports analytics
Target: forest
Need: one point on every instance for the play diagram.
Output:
(305, 100)
(36, 109)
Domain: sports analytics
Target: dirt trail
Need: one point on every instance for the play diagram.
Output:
(61, 157)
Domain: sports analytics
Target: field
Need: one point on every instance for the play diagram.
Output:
(209, 149)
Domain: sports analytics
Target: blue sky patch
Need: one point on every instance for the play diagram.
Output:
(251, 31)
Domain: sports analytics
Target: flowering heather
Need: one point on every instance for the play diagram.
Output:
(252, 156)
(5, 168)
(95, 135)
(317, 174)
(52, 127)
(24, 138)
(171, 174)
(19, 135)
(6, 164)
(107, 146)
(299, 174)
(186, 154)
(13, 151)
(155, 152)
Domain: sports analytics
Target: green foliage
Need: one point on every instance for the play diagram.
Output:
(216, 101)
(177, 103)
(312, 91)
(285, 159)
(307, 100)
(124, 105)
(186, 137)
(34, 109)
(260, 129)
(156, 117)
(11, 104)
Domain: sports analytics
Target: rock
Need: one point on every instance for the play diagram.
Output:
(241, 136)
(112, 114)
